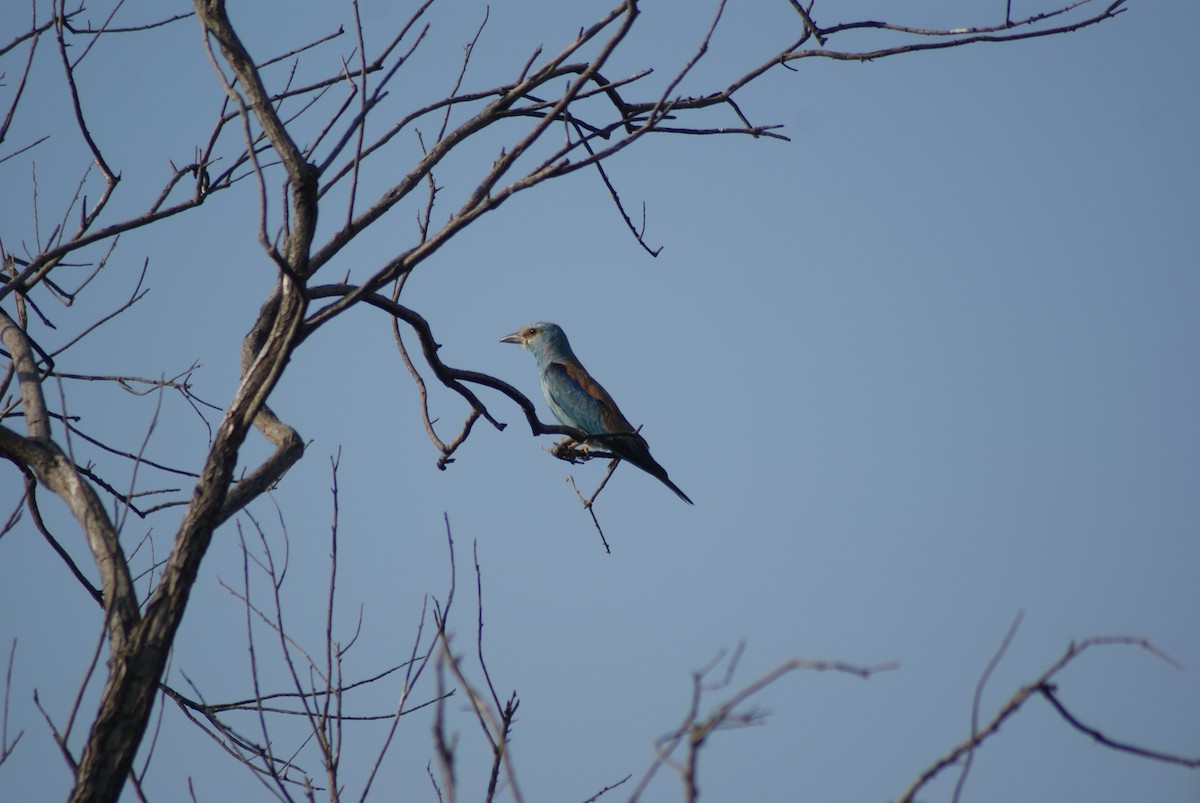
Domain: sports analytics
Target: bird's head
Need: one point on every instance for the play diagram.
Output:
(543, 339)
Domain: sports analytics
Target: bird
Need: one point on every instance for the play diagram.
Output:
(577, 400)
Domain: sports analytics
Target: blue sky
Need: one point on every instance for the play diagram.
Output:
(928, 365)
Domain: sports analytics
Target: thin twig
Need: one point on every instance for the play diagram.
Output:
(7, 747)
(983, 679)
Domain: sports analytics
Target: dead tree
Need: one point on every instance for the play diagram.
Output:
(301, 148)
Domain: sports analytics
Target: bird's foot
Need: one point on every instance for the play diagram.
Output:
(570, 450)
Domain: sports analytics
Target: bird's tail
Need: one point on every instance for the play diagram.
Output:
(675, 488)
(633, 449)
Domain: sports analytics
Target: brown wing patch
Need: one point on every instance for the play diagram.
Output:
(585, 381)
(614, 419)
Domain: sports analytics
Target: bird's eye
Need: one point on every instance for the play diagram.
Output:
(531, 331)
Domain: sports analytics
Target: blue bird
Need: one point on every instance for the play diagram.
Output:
(578, 401)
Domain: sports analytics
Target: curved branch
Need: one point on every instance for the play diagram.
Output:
(301, 174)
(290, 448)
(54, 469)
(36, 514)
(453, 378)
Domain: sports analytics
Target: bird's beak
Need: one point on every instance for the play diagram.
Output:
(515, 337)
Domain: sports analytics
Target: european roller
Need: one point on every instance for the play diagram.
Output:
(578, 401)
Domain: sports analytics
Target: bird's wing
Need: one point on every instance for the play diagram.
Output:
(581, 399)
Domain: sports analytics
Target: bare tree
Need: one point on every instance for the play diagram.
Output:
(298, 140)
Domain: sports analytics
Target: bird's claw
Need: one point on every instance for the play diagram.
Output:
(570, 450)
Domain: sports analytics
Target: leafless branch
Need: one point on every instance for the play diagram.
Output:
(638, 233)
(7, 747)
(318, 701)
(1050, 692)
(607, 789)
(588, 502)
(496, 722)
(13, 517)
(263, 119)
(16, 99)
(452, 378)
(1042, 686)
(696, 728)
(59, 739)
(983, 679)
(445, 449)
(955, 37)
(110, 29)
(40, 524)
